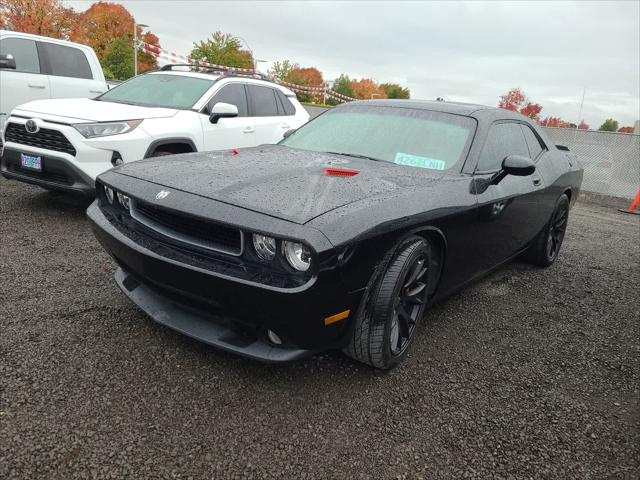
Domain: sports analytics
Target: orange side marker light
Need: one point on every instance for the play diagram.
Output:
(337, 317)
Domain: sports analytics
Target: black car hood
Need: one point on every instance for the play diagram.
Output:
(279, 181)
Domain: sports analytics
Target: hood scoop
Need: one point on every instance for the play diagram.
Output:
(340, 172)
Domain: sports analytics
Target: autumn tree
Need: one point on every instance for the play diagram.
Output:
(393, 90)
(516, 101)
(609, 125)
(306, 77)
(554, 122)
(40, 17)
(625, 130)
(222, 49)
(366, 89)
(102, 24)
(583, 126)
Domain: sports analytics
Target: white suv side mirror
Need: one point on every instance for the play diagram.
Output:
(222, 110)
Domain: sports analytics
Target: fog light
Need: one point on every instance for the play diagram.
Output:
(274, 338)
(116, 159)
(124, 200)
(108, 192)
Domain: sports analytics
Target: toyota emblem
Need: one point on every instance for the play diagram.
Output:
(31, 126)
(162, 194)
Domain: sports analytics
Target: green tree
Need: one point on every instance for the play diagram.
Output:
(118, 62)
(393, 90)
(281, 70)
(222, 49)
(343, 86)
(609, 125)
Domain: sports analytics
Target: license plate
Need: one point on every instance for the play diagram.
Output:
(31, 162)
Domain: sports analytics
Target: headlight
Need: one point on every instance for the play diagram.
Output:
(265, 246)
(123, 200)
(108, 192)
(92, 130)
(297, 254)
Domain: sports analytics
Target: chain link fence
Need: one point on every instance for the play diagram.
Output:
(611, 160)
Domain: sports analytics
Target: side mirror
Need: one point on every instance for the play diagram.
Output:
(289, 132)
(7, 61)
(516, 165)
(222, 110)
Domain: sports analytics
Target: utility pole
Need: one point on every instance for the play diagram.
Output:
(584, 91)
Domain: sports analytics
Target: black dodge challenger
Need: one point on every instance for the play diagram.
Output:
(341, 235)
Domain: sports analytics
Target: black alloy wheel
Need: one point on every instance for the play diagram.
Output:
(545, 248)
(394, 303)
(408, 306)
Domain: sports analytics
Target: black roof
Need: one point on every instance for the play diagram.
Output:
(458, 108)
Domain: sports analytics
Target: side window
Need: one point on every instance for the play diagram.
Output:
(234, 94)
(504, 139)
(25, 53)
(263, 100)
(66, 61)
(289, 109)
(536, 147)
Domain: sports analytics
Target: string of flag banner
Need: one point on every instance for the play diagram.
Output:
(171, 57)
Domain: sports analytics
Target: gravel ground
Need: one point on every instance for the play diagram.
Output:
(528, 374)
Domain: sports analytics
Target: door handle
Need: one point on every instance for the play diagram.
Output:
(249, 130)
(537, 182)
(36, 85)
(285, 126)
(96, 91)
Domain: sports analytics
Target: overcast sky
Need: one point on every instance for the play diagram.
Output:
(464, 51)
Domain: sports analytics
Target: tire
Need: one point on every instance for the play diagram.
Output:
(394, 303)
(546, 246)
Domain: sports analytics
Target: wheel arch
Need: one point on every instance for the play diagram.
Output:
(181, 143)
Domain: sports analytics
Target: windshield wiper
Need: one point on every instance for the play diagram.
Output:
(356, 155)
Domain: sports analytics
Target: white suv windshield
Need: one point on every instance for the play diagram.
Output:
(158, 90)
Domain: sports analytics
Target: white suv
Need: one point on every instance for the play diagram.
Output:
(64, 144)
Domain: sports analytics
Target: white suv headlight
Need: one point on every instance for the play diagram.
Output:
(92, 130)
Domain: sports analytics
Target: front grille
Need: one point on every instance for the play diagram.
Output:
(185, 228)
(43, 138)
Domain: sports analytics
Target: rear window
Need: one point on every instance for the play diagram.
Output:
(159, 90)
(66, 61)
(288, 107)
(534, 144)
(263, 100)
(24, 52)
(404, 136)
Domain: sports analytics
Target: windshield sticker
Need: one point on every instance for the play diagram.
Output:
(420, 162)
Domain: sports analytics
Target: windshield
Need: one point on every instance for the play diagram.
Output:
(404, 136)
(158, 90)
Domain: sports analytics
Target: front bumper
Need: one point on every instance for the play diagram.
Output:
(227, 312)
(58, 173)
(203, 326)
(65, 171)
